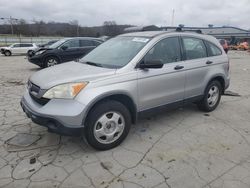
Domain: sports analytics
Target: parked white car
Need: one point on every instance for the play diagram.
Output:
(18, 48)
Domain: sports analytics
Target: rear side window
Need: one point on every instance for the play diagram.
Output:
(212, 49)
(167, 50)
(194, 48)
(86, 43)
(25, 45)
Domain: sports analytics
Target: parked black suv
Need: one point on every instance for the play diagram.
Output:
(64, 50)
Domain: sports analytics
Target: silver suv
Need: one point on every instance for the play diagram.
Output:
(124, 78)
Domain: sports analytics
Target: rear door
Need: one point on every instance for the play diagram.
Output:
(157, 87)
(197, 65)
(70, 50)
(24, 48)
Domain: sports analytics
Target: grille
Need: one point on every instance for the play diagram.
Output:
(33, 88)
(34, 91)
(41, 101)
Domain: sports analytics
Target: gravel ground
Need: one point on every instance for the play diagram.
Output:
(183, 148)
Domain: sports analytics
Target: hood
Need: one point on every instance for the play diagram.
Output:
(68, 72)
(42, 48)
(5, 47)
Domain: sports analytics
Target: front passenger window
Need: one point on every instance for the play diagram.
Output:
(71, 44)
(16, 46)
(167, 51)
(84, 43)
(194, 48)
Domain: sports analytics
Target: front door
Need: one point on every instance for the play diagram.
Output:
(16, 49)
(157, 87)
(85, 47)
(70, 50)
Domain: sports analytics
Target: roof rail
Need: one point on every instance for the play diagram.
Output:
(179, 29)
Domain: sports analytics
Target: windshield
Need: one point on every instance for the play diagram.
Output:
(58, 43)
(116, 52)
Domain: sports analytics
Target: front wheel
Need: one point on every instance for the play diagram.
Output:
(211, 97)
(30, 53)
(107, 125)
(7, 53)
(51, 61)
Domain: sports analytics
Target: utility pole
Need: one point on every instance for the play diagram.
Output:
(11, 24)
(172, 20)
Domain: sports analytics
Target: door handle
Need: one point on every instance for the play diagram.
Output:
(209, 62)
(178, 67)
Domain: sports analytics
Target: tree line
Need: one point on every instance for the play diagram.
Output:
(72, 29)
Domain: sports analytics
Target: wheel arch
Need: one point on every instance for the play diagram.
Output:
(121, 97)
(219, 78)
(8, 50)
(51, 55)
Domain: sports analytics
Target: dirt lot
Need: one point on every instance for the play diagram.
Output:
(184, 148)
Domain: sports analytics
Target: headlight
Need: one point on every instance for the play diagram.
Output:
(40, 52)
(65, 91)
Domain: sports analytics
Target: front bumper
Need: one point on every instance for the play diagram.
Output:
(2, 51)
(35, 60)
(59, 116)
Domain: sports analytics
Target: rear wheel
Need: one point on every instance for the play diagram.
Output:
(51, 61)
(107, 125)
(211, 97)
(7, 53)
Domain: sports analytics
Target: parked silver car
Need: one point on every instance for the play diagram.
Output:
(18, 48)
(124, 78)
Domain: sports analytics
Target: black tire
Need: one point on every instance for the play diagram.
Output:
(48, 59)
(7, 53)
(97, 112)
(204, 103)
(30, 53)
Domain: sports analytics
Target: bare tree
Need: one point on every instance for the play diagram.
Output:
(75, 27)
(22, 27)
(110, 28)
(38, 27)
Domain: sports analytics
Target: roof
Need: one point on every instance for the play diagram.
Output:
(142, 28)
(152, 34)
(90, 38)
(149, 34)
(222, 27)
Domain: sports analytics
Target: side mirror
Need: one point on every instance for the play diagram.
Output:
(64, 47)
(154, 64)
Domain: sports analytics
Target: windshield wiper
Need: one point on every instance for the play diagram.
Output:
(94, 64)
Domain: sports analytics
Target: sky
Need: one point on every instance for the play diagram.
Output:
(134, 12)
